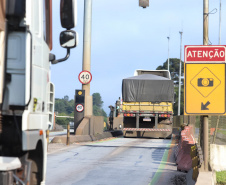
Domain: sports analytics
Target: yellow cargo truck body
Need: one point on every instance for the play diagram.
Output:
(147, 107)
(147, 119)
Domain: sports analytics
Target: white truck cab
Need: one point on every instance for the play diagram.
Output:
(26, 92)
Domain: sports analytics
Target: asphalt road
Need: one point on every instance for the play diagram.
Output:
(119, 161)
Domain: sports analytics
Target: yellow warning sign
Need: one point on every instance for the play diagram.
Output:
(80, 93)
(204, 89)
(205, 82)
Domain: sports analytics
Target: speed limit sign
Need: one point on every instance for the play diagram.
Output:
(85, 77)
(79, 107)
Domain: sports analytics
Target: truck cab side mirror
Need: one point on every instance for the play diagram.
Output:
(68, 13)
(68, 39)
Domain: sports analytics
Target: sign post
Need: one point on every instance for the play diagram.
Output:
(79, 108)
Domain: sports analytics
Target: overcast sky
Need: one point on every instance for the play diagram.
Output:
(126, 37)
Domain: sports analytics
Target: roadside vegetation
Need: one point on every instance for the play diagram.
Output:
(174, 65)
(97, 106)
(65, 107)
(221, 178)
(222, 131)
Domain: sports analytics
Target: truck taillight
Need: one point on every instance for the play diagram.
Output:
(164, 115)
(129, 115)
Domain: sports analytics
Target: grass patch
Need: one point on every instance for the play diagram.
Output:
(221, 177)
(222, 131)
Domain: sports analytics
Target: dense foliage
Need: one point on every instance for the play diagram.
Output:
(221, 177)
(174, 65)
(65, 107)
(97, 105)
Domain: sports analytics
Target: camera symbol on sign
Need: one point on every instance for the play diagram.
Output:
(205, 82)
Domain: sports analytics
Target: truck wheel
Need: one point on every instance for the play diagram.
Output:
(35, 177)
(169, 137)
(36, 158)
(124, 134)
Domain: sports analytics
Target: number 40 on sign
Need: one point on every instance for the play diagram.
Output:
(85, 77)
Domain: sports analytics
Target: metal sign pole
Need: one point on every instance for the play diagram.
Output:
(220, 24)
(168, 53)
(179, 90)
(205, 118)
(87, 54)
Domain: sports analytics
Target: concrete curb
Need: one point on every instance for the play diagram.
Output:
(81, 138)
(217, 157)
(207, 178)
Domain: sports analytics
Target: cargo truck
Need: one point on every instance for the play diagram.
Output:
(26, 90)
(147, 106)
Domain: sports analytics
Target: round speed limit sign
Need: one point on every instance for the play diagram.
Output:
(79, 107)
(85, 77)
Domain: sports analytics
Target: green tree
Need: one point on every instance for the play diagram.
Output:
(97, 106)
(97, 100)
(59, 106)
(174, 69)
(65, 107)
(66, 98)
(174, 72)
(175, 107)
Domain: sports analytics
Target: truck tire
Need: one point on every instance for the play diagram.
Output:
(36, 158)
(169, 137)
(124, 134)
(35, 176)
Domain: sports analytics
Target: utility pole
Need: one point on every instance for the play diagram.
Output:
(87, 54)
(205, 118)
(205, 22)
(168, 51)
(220, 24)
(179, 91)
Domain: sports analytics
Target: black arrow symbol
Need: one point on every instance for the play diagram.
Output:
(204, 107)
